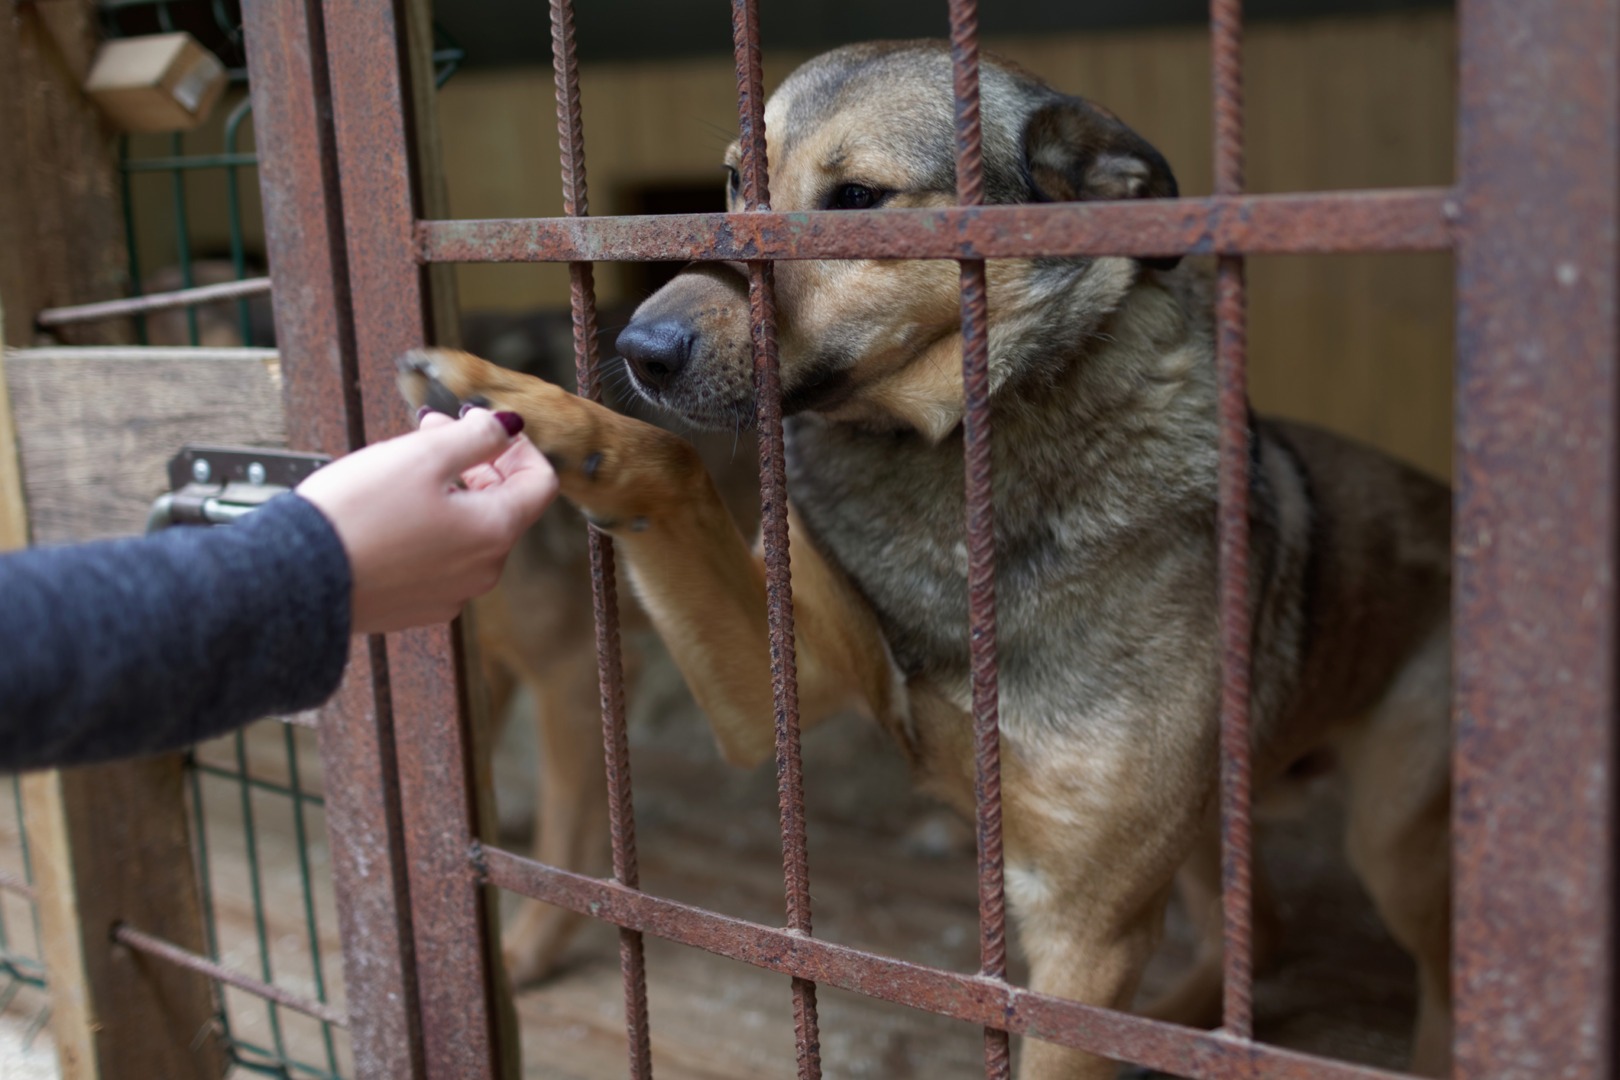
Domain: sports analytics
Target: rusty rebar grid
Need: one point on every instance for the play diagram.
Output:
(1231, 349)
(604, 583)
(1198, 1055)
(981, 532)
(1329, 222)
(143, 942)
(773, 525)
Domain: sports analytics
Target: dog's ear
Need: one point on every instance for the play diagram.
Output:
(1076, 151)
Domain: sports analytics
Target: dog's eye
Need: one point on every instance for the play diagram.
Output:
(854, 197)
(733, 180)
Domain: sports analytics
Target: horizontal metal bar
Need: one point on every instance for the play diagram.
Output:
(218, 772)
(174, 954)
(112, 309)
(1199, 1055)
(11, 883)
(200, 161)
(1412, 219)
(58, 353)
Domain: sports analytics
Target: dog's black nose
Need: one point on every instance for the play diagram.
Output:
(657, 349)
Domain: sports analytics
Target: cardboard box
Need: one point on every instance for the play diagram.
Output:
(164, 82)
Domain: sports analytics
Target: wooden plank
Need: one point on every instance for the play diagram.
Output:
(96, 435)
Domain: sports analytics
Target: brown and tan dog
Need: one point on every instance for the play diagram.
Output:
(1105, 435)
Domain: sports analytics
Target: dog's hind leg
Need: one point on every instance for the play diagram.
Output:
(1399, 833)
(571, 822)
(1195, 1000)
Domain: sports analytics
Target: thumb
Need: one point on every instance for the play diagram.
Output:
(478, 437)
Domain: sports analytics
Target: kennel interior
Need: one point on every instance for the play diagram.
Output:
(1370, 98)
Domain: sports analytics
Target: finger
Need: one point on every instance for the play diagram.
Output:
(482, 476)
(478, 437)
(527, 486)
(428, 419)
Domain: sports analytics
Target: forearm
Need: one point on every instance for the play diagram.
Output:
(129, 647)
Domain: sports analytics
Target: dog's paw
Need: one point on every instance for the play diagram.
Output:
(621, 472)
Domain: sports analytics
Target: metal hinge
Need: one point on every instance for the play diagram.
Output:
(215, 485)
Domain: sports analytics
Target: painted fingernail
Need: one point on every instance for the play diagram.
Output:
(421, 414)
(511, 421)
(466, 407)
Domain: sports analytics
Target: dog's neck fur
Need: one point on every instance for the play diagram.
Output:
(1096, 448)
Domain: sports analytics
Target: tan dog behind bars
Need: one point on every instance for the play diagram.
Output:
(1105, 492)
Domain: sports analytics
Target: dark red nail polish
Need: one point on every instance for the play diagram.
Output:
(511, 421)
(421, 414)
(466, 407)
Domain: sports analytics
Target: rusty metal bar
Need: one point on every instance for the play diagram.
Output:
(305, 241)
(1412, 219)
(756, 194)
(981, 533)
(138, 353)
(1534, 602)
(11, 883)
(1199, 1055)
(136, 305)
(604, 585)
(174, 954)
(1231, 359)
(433, 739)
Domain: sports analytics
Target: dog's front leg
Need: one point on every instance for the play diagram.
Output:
(1095, 831)
(694, 572)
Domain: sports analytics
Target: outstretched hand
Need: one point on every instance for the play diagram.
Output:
(421, 545)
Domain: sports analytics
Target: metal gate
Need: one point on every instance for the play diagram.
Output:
(1532, 223)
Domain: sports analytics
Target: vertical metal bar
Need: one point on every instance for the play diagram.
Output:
(303, 212)
(1231, 347)
(366, 49)
(981, 531)
(182, 231)
(306, 879)
(1534, 600)
(250, 839)
(233, 204)
(610, 666)
(773, 525)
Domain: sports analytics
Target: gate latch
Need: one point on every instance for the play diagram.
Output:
(215, 485)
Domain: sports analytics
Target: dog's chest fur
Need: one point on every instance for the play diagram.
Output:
(1104, 485)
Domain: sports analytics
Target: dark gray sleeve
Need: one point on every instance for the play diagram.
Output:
(127, 647)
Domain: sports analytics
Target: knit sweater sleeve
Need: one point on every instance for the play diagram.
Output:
(127, 647)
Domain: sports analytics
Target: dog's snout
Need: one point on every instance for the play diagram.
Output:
(657, 349)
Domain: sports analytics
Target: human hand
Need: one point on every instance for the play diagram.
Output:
(419, 546)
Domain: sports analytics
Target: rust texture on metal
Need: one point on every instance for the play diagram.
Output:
(981, 532)
(971, 998)
(756, 194)
(433, 739)
(1534, 604)
(136, 305)
(1231, 359)
(143, 942)
(11, 883)
(303, 217)
(610, 665)
(1411, 219)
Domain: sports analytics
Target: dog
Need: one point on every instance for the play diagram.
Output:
(536, 630)
(1105, 432)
